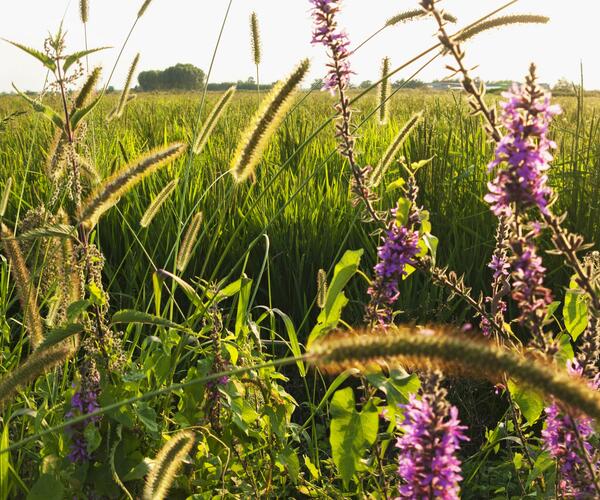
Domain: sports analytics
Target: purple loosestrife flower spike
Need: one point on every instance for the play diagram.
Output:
(525, 149)
(428, 464)
(82, 402)
(399, 248)
(561, 440)
(326, 32)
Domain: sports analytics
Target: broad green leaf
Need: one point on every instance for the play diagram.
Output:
(403, 209)
(40, 56)
(147, 416)
(397, 387)
(47, 487)
(530, 402)
(575, 311)
(565, 349)
(352, 432)
(73, 58)
(314, 472)
(184, 285)
(431, 242)
(335, 299)
(59, 334)
(47, 111)
(132, 316)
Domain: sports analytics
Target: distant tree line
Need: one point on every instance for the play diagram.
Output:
(178, 77)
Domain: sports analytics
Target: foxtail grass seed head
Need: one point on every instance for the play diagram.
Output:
(255, 38)
(166, 465)
(498, 22)
(25, 288)
(377, 174)
(189, 242)
(157, 203)
(143, 8)
(124, 99)
(410, 15)
(88, 88)
(440, 348)
(264, 124)
(5, 196)
(84, 10)
(213, 118)
(38, 363)
(384, 91)
(108, 193)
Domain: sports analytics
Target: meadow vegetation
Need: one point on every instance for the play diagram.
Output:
(199, 304)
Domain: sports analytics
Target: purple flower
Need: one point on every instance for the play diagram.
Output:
(525, 149)
(428, 464)
(561, 441)
(528, 275)
(326, 32)
(400, 246)
(82, 402)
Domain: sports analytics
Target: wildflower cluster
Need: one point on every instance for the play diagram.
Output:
(399, 248)
(326, 32)
(82, 402)
(428, 464)
(525, 149)
(567, 439)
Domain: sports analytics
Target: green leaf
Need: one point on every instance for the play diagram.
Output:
(288, 459)
(314, 472)
(241, 318)
(530, 402)
(352, 432)
(293, 338)
(47, 487)
(146, 415)
(73, 58)
(397, 387)
(59, 334)
(336, 299)
(80, 114)
(40, 56)
(403, 211)
(47, 111)
(397, 184)
(92, 436)
(184, 285)
(431, 242)
(76, 308)
(420, 164)
(133, 316)
(575, 311)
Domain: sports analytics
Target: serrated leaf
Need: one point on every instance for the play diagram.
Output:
(73, 58)
(47, 111)
(352, 432)
(46, 60)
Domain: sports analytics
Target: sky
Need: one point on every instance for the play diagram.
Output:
(173, 31)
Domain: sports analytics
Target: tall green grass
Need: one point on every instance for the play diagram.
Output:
(308, 199)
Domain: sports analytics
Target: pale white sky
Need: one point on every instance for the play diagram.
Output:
(175, 31)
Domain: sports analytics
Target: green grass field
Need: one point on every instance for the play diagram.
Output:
(300, 197)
